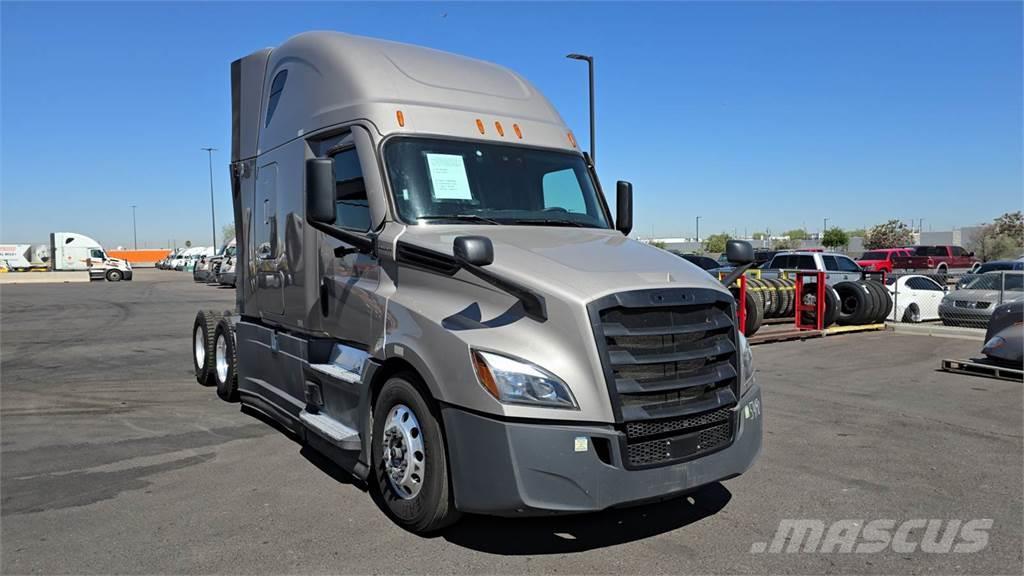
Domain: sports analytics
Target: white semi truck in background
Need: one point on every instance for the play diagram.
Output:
(70, 251)
(67, 251)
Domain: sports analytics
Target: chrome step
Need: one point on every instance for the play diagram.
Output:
(337, 372)
(330, 429)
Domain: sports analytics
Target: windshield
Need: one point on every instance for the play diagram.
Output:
(450, 181)
(993, 266)
(994, 281)
(875, 256)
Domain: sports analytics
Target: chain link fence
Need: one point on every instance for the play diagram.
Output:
(962, 300)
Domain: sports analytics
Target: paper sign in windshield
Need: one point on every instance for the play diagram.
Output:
(448, 176)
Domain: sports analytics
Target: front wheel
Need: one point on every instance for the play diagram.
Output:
(410, 462)
(114, 275)
(912, 314)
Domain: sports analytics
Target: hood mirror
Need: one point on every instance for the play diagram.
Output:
(739, 252)
(475, 250)
(624, 207)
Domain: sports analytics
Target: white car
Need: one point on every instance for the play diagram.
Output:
(915, 298)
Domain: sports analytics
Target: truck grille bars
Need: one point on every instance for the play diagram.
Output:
(671, 364)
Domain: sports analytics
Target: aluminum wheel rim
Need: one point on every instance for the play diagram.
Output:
(199, 346)
(403, 454)
(221, 356)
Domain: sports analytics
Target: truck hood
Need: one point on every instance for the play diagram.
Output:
(584, 263)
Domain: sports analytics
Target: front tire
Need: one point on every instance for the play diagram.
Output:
(114, 275)
(912, 314)
(410, 461)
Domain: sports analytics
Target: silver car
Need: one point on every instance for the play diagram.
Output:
(972, 305)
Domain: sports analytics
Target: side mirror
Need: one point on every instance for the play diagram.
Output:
(320, 190)
(971, 254)
(624, 207)
(475, 250)
(739, 252)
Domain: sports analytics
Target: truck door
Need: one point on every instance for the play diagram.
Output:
(268, 278)
(348, 280)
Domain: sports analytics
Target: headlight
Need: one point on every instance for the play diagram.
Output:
(516, 382)
(746, 365)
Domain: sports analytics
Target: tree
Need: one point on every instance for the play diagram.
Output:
(1010, 224)
(1002, 238)
(892, 234)
(834, 237)
(797, 234)
(228, 231)
(715, 243)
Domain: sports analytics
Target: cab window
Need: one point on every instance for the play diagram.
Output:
(847, 265)
(97, 254)
(830, 262)
(351, 207)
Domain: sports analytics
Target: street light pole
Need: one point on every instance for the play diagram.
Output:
(824, 227)
(135, 234)
(698, 231)
(213, 216)
(590, 66)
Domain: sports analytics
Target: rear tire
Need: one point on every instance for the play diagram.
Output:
(409, 459)
(225, 361)
(202, 345)
(114, 275)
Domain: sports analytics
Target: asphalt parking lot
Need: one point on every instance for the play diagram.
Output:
(114, 460)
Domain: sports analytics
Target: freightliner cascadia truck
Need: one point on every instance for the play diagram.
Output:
(432, 291)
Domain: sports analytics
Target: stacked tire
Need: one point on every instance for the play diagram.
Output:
(846, 303)
(862, 302)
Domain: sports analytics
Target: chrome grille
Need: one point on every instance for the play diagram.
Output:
(671, 363)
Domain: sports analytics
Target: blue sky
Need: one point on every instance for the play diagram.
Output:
(750, 115)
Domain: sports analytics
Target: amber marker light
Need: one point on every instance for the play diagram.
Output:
(518, 132)
(400, 117)
(497, 126)
(483, 374)
(480, 125)
(572, 139)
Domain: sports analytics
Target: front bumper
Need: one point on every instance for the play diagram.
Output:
(127, 274)
(953, 315)
(518, 468)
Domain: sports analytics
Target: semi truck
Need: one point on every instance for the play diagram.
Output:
(67, 251)
(70, 251)
(433, 292)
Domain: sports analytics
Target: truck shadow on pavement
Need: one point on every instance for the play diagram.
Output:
(578, 533)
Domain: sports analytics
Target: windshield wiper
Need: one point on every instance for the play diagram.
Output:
(470, 217)
(551, 222)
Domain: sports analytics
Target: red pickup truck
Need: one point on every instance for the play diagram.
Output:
(881, 260)
(941, 259)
